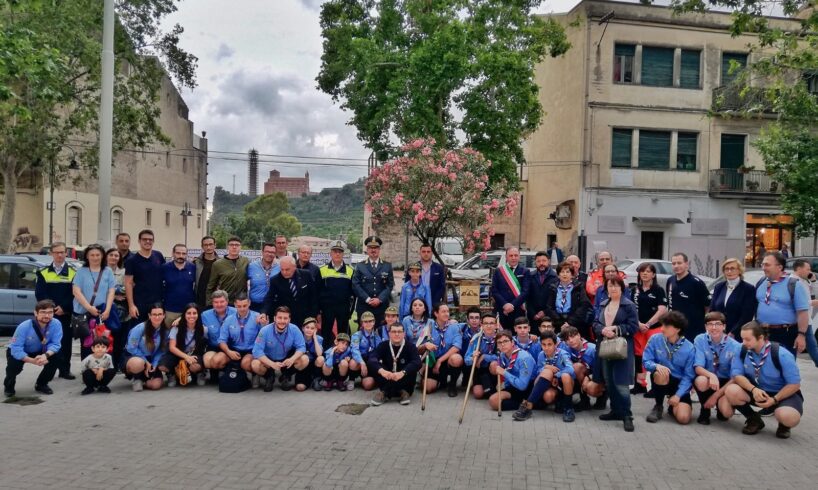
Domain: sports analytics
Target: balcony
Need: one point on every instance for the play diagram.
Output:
(731, 182)
(729, 99)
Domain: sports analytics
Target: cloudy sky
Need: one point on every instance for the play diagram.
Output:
(258, 60)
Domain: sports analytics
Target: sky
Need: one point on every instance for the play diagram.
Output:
(258, 60)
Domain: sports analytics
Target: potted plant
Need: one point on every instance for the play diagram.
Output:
(744, 169)
(752, 185)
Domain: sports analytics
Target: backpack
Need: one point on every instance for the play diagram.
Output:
(791, 282)
(233, 379)
(774, 346)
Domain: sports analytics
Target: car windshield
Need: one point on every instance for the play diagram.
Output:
(624, 264)
(450, 248)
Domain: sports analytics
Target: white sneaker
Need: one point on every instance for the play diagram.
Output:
(136, 385)
(256, 382)
(200, 379)
(350, 385)
(171, 381)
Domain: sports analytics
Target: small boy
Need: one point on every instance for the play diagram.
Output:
(311, 375)
(553, 384)
(99, 330)
(523, 338)
(391, 316)
(412, 290)
(98, 367)
(546, 325)
(336, 364)
(364, 342)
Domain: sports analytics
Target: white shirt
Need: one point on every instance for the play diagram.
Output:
(731, 286)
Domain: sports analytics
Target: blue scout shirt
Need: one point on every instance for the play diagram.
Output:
(190, 345)
(309, 345)
(26, 341)
(260, 279)
(586, 354)
(769, 378)
(276, 346)
(408, 293)
(363, 344)
(532, 346)
(722, 353)
(333, 357)
(488, 348)
(214, 324)
(468, 333)
(445, 338)
(413, 328)
(780, 308)
(137, 348)
(178, 286)
(560, 359)
(519, 367)
(678, 357)
(85, 280)
(240, 333)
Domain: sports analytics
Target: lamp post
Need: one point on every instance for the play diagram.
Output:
(51, 205)
(186, 212)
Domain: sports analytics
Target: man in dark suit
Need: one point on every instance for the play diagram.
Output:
(509, 288)
(373, 281)
(539, 288)
(432, 275)
(294, 289)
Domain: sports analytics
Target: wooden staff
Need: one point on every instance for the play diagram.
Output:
(471, 379)
(425, 379)
(499, 397)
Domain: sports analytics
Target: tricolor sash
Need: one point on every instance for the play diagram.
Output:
(511, 280)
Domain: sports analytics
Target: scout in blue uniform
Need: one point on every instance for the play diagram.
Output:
(373, 281)
(35, 342)
(336, 364)
(714, 356)
(468, 330)
(238, 337)
(415, 324)
(761, 381)
(515, 367)
(363, 344)
(187, 341)
(314, 345)
(280, 347)
(443, 341)
(553, 381)
(213, 319)
(669, 359)
(583, 357)
(483, 384)
(391, 316)
(144, 350)
(413, 289)
(523, 338)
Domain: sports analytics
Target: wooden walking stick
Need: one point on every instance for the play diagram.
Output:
(425, 361)
(499, 397)
(471, 380)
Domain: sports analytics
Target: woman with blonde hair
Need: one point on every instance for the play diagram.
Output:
(734, 297)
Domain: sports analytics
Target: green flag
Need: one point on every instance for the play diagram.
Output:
(430, 359)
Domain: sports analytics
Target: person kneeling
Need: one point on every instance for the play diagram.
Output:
(98, 367)
(364, 342)
(555, 383)
(394, 364)
(482, 385)
(442, 341)
(669, 360)
(144, 351)
(237, 338)
(514, 366)
(715, 352)
(35, 341)
(336, 364)
(756, 381)
(314, 343)
(279, 347)
(583, 358)
(187, 342)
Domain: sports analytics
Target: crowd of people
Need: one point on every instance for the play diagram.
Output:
(557, 337)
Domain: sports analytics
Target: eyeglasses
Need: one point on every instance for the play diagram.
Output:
(506, 341)
(731, 268)
(146, 239)
(714, 324)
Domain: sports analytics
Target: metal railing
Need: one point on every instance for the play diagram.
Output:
(735, 98)
(736, 181)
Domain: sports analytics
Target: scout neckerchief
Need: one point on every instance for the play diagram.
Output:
(282, 343)
(770, 284)
(564, 295)
(579, 357)
(717, 350)
(511, 280)
(765, 352)
(395, 356)
(442, 335)
(672, 349)
(242, 323)
(551, 361)
(415, 325)
(527, 346)
(41, 333)
(508, 364)
(368, 338)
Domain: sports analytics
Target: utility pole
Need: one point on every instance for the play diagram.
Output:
(106, 125)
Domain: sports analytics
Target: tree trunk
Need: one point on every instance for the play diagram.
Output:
(815, 241)
(9, 206)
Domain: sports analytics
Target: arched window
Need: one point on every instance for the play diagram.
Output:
(73, 224)
(116, 223)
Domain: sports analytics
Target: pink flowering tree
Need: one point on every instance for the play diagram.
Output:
(439, 193)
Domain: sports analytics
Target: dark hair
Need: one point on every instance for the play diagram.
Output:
(101, 340)
(425, 315)
(540, 254)
(616, 280)
(715, 316)
(268, 244)
(487, 315)
(549, 335)
(198, 331)
(503, 333)
(396, 324)
(101, 249)
(150, 329)
(109, 252)
(546, 320)
(778, 256)
(642, 268)
(425, 244)
(682, 255)
(565, 265)
(145, 232)
(241, 297)
(234, 239)
(122, 234)
(472, 309)
(568, 332)
(207, 237)
(282, 309)
(674, 319)
(520, 320)
(757, 329)
(45, 304)
(436, 308)
(799, 263)
(173, 250)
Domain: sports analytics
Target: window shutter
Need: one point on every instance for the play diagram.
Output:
(621, 148)
(654, 150)
(686, 151)
(657, 66)
(690, 69)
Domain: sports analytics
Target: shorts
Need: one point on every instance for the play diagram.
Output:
(517, 397)
(445, 370)
(796, 401)
(155, 374)
(672, 387)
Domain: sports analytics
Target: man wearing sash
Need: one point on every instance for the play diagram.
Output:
(35, 341)
(394, 364)
(509, 289)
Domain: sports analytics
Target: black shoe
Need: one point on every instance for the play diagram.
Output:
(783, 432)
(600, 403)
(269, 382)
(67, 376)
(720, 417)
(628, 424)
(558, 408)
(584, 404)
(522, 413)
(638, 388)
(44, 389)
(753, 425)
(648, 394)
(104, 389)
(704, 417)
(88, 390)
(452, 390)
(655, 414)
(610, 416)
(9, 393)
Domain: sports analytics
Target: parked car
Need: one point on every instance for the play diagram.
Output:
(813, 262)
(47, 260)
(450, 251)
(18, 275)
(664, 270)
(478, 267)
(71, 251)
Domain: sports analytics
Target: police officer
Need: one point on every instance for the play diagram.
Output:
(55, 283)
(35, 341)
(373, 281)
(335, 295)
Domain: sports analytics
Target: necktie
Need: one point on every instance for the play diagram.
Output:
(542, 278)
(293, 290)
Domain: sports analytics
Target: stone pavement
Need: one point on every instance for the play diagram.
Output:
(196, 437)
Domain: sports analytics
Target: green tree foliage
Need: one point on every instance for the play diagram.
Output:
(50, 75)
(439, 69)
(262, 219)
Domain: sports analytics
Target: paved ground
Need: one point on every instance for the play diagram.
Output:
(196, 437)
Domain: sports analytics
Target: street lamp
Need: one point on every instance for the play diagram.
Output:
(51, 204)
(186, 212)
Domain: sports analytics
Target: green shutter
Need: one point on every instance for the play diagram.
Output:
(689, 73)
(657, 66)
(732, 150)
(654, 150)
(726, 75)
(621, 148)
(624, 50)
(686, 151)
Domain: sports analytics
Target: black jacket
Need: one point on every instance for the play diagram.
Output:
(304, 305)
(580, 304)
(740, 308)
(408, 360)
(538, 294)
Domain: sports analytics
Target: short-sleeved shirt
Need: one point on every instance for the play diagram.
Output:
(260, 279)
(770, 379)
(147, 277)
(648, 302)
(689, 296)
(782, 308)
(178, 286)
(190, 344)
(85, 280)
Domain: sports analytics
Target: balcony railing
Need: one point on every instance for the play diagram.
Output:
(731, 181)
(735, 98)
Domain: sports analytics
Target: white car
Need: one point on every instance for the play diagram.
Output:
(664, 270)
(750, 275)
(477, 267)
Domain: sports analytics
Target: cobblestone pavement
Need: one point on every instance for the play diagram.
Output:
(196, 437)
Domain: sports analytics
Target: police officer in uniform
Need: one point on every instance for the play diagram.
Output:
(373, 281)
(55, 283)
(335, 294)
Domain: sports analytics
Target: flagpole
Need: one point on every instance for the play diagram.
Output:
(425, 380)
(499, 397)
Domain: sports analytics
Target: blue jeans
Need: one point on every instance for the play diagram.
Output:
(812, 345)
(620, 395)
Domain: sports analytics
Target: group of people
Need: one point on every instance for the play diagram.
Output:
(284, 319)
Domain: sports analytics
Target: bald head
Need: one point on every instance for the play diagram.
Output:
(513, 256)
(574, 262)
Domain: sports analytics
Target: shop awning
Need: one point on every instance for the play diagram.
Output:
(650, 220)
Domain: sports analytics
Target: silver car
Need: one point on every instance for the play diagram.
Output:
(478, 267)
(18, 275)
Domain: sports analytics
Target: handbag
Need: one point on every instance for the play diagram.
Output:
(233, 379)
(615, 349)
(79, 322)
(182, 373)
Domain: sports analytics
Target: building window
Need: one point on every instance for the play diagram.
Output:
(686, 151)
(116, 223)
(654, 150)
(624, 55)
(657, 66)
(689, 73)
(811, 79)
(74, 226)
(732, 150)
(731, 66)
(621, 148)
(148, 216)
(198, 221)
(167, 218)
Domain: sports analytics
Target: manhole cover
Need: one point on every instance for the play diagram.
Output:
(23, 400)
(352, 408)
